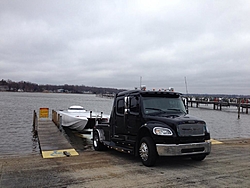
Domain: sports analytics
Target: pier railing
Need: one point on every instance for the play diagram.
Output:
(55, 118)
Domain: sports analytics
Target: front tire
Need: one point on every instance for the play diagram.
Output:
(98, 146)
(147, 151)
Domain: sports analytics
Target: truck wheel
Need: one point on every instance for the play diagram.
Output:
(199, 157)
(147, 151)
(98, 146)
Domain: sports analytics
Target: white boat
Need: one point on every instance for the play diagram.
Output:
(77, 118)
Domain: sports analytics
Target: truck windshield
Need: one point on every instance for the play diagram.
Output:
(157, 105)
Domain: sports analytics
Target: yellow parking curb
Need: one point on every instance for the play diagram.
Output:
(215, 141)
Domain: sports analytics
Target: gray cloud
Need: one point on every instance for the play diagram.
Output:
(113, 43)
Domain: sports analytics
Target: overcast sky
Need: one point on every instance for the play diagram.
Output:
(114, 43)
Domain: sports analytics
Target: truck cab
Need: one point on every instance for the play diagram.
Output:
(151, 124)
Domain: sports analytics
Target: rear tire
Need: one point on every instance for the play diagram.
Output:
(98, 146)
(147, 151)
(199, 157)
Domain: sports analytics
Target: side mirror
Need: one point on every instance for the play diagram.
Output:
(127, 102)
(185, 102)
(126, 111)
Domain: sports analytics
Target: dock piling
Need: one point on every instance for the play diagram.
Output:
(239, 108)
(35, 124)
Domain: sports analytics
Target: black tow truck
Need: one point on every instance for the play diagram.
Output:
(151, 124)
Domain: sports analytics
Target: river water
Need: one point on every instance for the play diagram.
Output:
(16, 116)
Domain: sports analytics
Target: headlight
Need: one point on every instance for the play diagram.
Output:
(162, 131)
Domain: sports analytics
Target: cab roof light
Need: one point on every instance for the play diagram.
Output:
(170, 89)
(143, 88)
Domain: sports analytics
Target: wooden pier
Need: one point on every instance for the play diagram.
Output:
(217, 105)
(52, 142)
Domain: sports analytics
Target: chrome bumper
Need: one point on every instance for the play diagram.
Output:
(184, 149)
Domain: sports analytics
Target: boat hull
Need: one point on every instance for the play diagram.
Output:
(73, 121)
(77, 118)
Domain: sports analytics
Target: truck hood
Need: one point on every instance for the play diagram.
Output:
(174, 119)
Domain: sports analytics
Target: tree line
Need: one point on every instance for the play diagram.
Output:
(25, 86)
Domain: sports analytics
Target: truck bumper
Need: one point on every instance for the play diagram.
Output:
(184, 149)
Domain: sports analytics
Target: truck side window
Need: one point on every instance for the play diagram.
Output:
(134, 105)
(120, 106)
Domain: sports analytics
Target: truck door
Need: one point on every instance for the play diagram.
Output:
(132, 119)
(120, 127)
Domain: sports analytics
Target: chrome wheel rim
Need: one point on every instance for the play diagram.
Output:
(95, 140)
(144, 151)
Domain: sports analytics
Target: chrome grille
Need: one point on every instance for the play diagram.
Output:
(191, 130)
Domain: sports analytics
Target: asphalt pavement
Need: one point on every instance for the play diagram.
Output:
(228, 165)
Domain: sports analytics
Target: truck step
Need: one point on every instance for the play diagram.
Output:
(123, 139)
(119, 148)
(124, 142)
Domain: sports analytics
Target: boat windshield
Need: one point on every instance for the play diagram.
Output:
(158, 105)
(76, 108)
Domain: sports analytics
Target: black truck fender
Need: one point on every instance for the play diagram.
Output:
(100, 134)
(98, 138)
(144, 131)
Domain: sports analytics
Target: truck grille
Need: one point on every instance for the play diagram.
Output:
(191, 130)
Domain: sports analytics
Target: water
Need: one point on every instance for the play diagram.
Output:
(16, 116)
(225, 123)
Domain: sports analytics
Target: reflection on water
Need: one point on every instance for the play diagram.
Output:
(16, 116)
